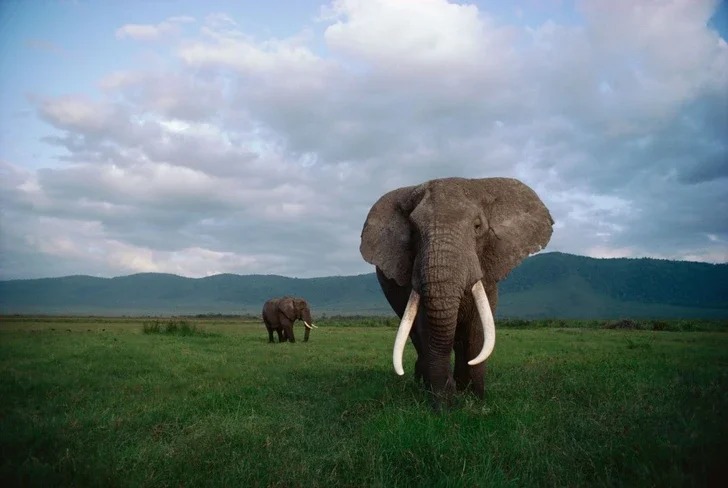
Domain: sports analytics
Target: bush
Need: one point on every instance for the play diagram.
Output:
(173, 327)
(660, 325)
(623, 324)
(513, 323)
(357, 321)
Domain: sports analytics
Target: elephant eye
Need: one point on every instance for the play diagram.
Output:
(477, 223)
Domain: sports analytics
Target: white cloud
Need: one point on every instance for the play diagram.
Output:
(220, 19)
(147, 32)
(232, 49)
(79, 113)
(710, 256)
(86, 244)
(408, 33)
(265, 155)
(605, 252)
(121, 79)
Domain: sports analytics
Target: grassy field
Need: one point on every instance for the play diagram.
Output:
(99, 402)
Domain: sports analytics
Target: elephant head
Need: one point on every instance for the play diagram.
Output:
(297, 309)
(444, 243)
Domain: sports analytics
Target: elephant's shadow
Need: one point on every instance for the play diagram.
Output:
(316, 381)
(350, 387)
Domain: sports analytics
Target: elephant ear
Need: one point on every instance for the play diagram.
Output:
(519, 225)
(300, 304)
(287, 308)
(386, 235)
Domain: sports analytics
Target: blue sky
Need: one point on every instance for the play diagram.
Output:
(532, 66)
(73, 43)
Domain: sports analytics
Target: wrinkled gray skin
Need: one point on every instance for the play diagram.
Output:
(279, 315)
(440, 238)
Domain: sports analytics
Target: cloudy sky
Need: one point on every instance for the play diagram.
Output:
(245, 137)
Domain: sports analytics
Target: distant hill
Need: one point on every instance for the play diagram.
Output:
(552, 284)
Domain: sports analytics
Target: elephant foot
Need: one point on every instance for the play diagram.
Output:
(421, 377)
(470, 378)
(443, 399)
(421, 372)
(463, 381)
(441, 403)
(462, 376)
(478, 390)
(477, 385)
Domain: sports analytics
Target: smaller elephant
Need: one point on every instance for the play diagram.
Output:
(280, 313)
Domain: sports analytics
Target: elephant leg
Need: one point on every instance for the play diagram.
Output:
(467, 376)
(474, 375)
(288, 330)
(397, 297)
(462, 369)
(441, 383)
(269, 329)
(420, 338)
(466, 333)
(281, 336)
(420, 369)
(469, 342)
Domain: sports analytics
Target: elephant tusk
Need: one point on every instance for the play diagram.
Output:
(307, 325)
(486, 319)
(403, 332)
(314, 325)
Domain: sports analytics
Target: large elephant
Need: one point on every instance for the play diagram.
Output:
(440, 248)
(280, 313)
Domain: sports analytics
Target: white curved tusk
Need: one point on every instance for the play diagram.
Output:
(405, 326)
(314, 325)
(306, 324)
(486, 319)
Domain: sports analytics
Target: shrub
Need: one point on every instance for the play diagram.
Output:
(173, 327)
(660, 325)
(514, 323)
(623, 324)
(357, 321)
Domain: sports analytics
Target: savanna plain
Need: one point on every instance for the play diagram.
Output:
(209, 402)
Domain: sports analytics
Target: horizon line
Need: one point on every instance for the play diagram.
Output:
(339, 276)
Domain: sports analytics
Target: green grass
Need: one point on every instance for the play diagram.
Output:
(97, 402)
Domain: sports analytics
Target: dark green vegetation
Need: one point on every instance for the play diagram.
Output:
(546, 285)
(173, 327)
(96, 402)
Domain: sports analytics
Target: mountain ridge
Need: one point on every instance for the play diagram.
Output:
(552, 284)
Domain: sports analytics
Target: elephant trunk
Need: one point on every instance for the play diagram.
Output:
(441, 287)
(442, 315)
(307, 322)
(307, 316)
(306, 334)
